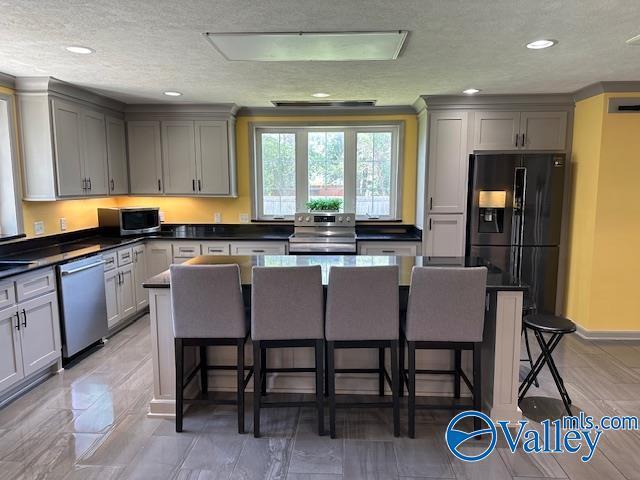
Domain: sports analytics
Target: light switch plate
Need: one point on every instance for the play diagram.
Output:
(38, 227)
(244, 218)
(63, 224)
(161, 213)
(217, 217)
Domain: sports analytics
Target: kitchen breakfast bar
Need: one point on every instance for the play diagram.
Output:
(500, 344)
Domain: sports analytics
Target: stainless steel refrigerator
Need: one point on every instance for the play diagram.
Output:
(514, 218)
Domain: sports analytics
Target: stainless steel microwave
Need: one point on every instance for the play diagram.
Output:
(130, 221)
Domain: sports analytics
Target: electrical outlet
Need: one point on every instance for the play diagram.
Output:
(217, 217)
(63, 224)
(161, 213)
(244, 218)
(38, 227)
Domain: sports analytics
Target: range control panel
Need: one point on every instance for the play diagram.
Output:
(333, 219)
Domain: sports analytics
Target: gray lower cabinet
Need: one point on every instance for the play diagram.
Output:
(112, 292)
(258, 248)
(29, 330)
(396, 249)
(140, 275)
(159, 256)
(120, 294)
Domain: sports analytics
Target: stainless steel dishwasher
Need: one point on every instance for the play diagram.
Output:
(83, 305)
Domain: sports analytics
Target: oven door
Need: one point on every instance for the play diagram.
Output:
(322, 248)
(136, 221)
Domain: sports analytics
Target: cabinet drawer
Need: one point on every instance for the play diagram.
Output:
(251, 248)
(110, 261)
(391, 248)
(7, 295)
(215, 248)
(125, 256)
(186, 250)
(35, 284)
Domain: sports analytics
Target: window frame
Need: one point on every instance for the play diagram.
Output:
(350, 129)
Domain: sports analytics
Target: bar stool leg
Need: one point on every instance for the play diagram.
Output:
(411, 387)
(257, 383)
(319, 351)
(331, 373)
(381, 366)
(554, 371)
(537, 367)
(528, 348)
(395, 387)
(204, 373)
(477, 382)
(457, 362)
(179, 359)
(401, 365)
(263, 361)
(240, 386)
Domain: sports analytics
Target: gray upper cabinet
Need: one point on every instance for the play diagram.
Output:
(95, 153)
(512, 130)
(179, 158)
(67, 120)
(145, 157)
(117, 157)
(212, 158)
(64, 138)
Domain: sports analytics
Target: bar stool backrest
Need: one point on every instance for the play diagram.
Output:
(206, 301)
(363, 303)
(446, 304)
(287, 303)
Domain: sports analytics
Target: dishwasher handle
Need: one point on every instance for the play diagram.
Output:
(64, 273)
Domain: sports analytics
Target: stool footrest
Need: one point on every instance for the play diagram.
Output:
(301, 403)
(363, 404)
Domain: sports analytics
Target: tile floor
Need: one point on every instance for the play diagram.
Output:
(90, 423)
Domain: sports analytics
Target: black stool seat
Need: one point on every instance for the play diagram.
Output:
(549, 323)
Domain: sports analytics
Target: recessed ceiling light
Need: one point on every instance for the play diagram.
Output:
(321, 95)
(172, 93)
(80, 50)
(540, 44)
(470, 91)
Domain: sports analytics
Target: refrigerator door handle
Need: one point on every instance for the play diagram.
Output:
(519, 198)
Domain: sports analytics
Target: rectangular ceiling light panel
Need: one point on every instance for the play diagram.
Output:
(309, 46)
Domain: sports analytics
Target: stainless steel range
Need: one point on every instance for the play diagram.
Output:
(323, 233)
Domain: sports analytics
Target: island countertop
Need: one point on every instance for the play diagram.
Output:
(496, 278)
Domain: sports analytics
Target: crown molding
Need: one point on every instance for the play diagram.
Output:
(7, 80)
(606, 87)
(471, 102)
(319, 111)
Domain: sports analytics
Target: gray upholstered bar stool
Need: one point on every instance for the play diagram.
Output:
(287, 310)
(445, 311)
(208, 310)
(363, 312)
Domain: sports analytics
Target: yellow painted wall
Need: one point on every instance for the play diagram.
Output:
(81, 213)
(602, 286)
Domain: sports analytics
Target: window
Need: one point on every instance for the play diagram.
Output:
(10, 220)
(358, 165)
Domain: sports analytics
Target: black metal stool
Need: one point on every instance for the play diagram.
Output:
(557, 327)
(528, 308)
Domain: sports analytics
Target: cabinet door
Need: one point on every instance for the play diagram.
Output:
(39, 332)
(179, 157)
(445, 236)
(496, 131)
(145, 157)
(112, 292)
(117, 157)
(140, 274)
(94, 135)
(543, 130)
(127, 291)
(159, 257)
(10, 352)
(258, 248)
(396, 249)
(448, 163)
(68, 148)
(212, 158)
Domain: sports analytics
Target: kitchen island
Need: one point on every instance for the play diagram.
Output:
(500, 352)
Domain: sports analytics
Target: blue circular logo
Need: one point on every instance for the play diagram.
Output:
(456, 438)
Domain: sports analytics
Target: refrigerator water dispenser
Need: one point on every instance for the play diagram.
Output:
(491, 211)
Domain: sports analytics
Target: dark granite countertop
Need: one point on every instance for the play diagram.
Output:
(57, 249)
(496, 279)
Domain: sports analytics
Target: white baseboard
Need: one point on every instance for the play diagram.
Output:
(607, 334)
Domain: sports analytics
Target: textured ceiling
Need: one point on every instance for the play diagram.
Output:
(146, 47)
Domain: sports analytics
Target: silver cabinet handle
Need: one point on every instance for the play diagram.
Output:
(64, 273)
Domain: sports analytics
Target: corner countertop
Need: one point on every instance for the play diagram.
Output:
(58, 249)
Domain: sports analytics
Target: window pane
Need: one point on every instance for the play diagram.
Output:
(373, 175)
(326, 165)
(278, 174)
